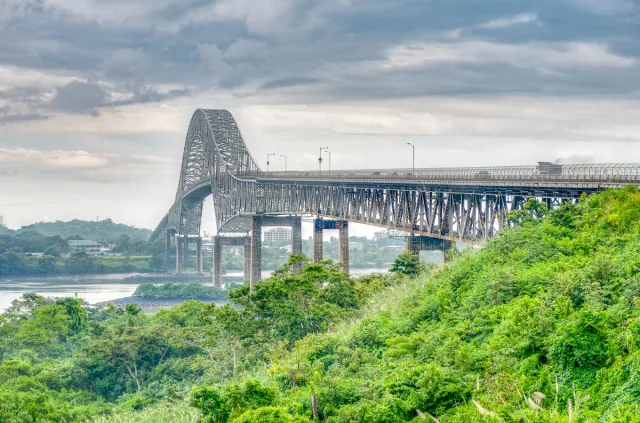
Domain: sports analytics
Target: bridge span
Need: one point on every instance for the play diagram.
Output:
(433, 206)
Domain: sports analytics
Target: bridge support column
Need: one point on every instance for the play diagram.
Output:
(199, 268)
(343, 254)
(415, 244)
(178, 254)
(256, 252)
(247, 258)
(167, 250)
(217, 262)
(342, 226)
(185, 252)
(318, 228)
(296, 235)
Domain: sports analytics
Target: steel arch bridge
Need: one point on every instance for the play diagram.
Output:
(451, 204)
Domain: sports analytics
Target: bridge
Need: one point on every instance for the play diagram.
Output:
(435, 207)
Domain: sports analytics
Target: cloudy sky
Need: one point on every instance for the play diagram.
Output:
(96, 95)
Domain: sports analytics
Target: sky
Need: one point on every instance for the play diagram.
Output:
(96, 95)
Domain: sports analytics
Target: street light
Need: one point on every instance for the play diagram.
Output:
(268, 157)
(285, 162)
(413, 166)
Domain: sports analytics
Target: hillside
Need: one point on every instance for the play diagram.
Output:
(103, 230)
(542, 325)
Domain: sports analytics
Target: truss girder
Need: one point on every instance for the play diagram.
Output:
(464, 204)
(465, 216)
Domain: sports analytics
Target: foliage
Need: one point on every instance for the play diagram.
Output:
(190, 291)
(101, 231)
(541, 325)
(63, 361)
(407, 264)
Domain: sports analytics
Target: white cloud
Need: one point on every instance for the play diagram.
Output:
(510, 21)
(565, 55)
(79, 164)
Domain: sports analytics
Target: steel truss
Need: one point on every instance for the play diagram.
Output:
(469, 204)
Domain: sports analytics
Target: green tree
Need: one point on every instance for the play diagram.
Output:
(407, 264)
(47, 264)
(50, 323)
(531, 211)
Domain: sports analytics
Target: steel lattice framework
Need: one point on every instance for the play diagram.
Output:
(448, 203)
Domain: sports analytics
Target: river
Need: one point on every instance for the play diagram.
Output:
(92, 288)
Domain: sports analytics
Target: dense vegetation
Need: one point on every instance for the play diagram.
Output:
(62, 361)
(189, 291)
(27, 252)
(21, 264)
(102, 231)
(542, 325)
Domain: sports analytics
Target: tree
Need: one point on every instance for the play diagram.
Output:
(132, 349)
(407, 264)
(77, 313)
(49, 323)
(47, 264)
(122, 244)
(531, 211)
(53, 250)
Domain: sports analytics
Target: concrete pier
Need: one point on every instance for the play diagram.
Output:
(218, 245)
(415, 244)
(199, 267)
(256, 252)
(179, 256)
(342, 226)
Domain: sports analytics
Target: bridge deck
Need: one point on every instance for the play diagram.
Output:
(529, 177)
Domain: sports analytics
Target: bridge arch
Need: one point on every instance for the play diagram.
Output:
(214, 154)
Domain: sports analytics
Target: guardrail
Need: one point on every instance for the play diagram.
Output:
(592, 173)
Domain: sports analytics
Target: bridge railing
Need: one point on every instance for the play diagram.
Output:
(593, 173)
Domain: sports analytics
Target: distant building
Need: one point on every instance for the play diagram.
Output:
(277, 235)
(92, 248)
(1, 220)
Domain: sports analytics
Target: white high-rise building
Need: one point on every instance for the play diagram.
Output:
(1, 220)
(277, 235)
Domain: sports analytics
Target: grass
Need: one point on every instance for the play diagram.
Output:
(163, 413)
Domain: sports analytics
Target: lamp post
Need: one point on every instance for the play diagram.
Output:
(268, 157)
(413, 158)
(285, 162)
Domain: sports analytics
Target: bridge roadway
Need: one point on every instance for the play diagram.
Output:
(433, 206)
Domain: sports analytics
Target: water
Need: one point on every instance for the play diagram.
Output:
(92, 288)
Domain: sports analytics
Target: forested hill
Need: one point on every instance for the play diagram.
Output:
(542, 325)
(103, 230)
